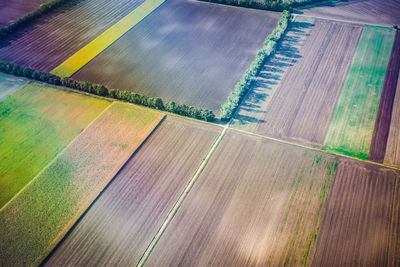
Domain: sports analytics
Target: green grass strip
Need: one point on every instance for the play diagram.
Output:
(352, 125)
(37, 122)
(104, 40)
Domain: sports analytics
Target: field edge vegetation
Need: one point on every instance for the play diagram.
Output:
(43, 8)
(100, 90)
(243, 86)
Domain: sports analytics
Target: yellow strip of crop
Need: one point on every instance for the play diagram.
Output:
(104, 40)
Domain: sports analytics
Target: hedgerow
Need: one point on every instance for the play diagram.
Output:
(43, 8)
(274, 5)
(242, 87)
(101, 90)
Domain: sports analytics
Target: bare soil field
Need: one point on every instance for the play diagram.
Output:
(362, 220)
(392, 155)
(186, 51)
(56, 36)
(122, 222)
(257, 203)
(380, 12)
(383, 119)
(41, 214)
(302, 106)
(12, 10)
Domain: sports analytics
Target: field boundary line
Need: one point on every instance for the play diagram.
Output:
(65, 236)
(181, 198)
(51, 162)
(316, 149)
(345, 21)
(104, 40)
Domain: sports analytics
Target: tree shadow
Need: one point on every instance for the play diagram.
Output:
(286, 55)
(39, 21)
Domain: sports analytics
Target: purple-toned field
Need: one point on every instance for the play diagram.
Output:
(362, 219)
(11, 10)
(121, 223)
(54, 37)
(186, 51)
(383, 121)
(381, 12)
(305, 96)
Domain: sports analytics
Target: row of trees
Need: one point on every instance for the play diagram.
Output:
(43, 8)
(101, 90)
(242, 87)
(274, 5)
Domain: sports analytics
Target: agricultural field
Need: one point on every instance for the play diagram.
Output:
(129, 212)
(38, 122)
(55, 37)
(181, 50)
(256, 203)
(9, 84)
(41, 214)
(362, 220)
(353, 121)
(381, 12)
(290, 105)
(383, 119)
(12, 10)
(392, 154)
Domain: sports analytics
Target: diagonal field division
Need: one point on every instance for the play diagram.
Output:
(54, 37)
(133, 207)
(34, 221)
(95, 47)
(189, 52)
(256, 203)
(38, 122)
(352, 125)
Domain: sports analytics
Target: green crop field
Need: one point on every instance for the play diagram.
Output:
(37, 122)
(9, 84)
(40, 215)
(352, 125)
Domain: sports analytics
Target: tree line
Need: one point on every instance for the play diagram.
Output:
(43, 8)
(274, 5)
(243, 86)
(101, 90)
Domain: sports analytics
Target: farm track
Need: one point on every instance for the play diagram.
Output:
(383, 119)
(255, 203)
(362, 219)
(309, 100)
(137, 201)
(194, 42)
(376, 12)
(55, 37)
(12, 10)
